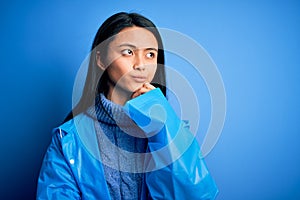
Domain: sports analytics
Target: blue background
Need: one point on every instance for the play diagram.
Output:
(255, 45)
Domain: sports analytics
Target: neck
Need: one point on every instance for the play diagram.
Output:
(118, 95)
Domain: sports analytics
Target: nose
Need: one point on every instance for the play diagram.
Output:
(139, 63)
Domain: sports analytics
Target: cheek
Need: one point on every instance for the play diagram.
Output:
(118, 69)
(151, 72)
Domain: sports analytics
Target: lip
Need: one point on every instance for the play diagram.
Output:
(139, 79)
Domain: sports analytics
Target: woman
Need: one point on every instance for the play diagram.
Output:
(123, 140)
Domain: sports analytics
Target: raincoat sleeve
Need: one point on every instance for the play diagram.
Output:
(56, 180)
(175, 169)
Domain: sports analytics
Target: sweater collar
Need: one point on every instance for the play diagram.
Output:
(106, 111)
(110, 113)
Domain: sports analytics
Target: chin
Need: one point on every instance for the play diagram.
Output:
(128, 88)
(133, 87)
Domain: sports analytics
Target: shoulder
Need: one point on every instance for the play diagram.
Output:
(77, 134)
(71, 127)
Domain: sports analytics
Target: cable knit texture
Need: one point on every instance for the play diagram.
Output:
(119, 140)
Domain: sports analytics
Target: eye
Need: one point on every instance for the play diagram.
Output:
(150, 55)
(127, 52)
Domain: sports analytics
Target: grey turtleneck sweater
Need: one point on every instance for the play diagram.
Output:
(116, 135)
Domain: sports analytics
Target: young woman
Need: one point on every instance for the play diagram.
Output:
(123, 140)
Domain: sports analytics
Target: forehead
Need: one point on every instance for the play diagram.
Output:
(137, 36)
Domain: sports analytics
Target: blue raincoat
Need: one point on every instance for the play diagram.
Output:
(174, 168)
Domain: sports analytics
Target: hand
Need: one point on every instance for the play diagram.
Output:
(145, 88)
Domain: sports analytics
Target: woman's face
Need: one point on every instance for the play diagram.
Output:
(131, 59)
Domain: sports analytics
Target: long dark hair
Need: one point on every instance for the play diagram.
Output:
(96, 80)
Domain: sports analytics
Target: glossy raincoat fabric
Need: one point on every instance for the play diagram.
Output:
(72, 167)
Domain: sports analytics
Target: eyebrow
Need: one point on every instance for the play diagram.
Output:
(134, 47)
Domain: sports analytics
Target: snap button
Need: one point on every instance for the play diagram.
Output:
(72, 161)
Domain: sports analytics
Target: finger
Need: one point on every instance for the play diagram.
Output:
(141, 91)
(149, 86)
